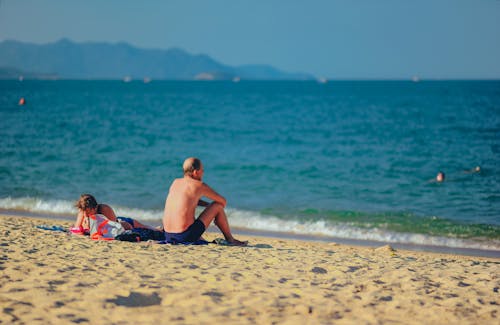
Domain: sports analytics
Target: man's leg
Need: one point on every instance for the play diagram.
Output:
(215, 212)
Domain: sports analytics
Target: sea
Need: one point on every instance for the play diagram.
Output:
(341, 160)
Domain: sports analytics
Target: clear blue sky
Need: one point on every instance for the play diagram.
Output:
(331, 38)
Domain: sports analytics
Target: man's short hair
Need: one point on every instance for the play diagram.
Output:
(190, 165)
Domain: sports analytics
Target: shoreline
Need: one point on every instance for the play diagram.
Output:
(295, 236)
(54, 277)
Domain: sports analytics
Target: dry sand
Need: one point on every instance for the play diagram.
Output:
(52, 277)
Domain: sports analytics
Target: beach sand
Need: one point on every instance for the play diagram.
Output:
(53, 277)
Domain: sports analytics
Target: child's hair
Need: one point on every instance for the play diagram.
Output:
(86, 201)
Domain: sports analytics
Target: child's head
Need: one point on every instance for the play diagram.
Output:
(86, 202)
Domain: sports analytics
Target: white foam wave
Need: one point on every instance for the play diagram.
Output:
(38, 205)
(257, 221)
(252, 220)
(64, 207)
(139, 214)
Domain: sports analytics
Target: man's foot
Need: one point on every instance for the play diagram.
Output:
(236, 242)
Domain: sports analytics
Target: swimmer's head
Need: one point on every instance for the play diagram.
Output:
(440, 177)
(477, 169)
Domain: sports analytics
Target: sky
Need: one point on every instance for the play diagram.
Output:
(337, 39)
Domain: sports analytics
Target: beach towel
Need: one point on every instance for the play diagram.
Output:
(128, 235)
(222, 241)
(101, 228)
(140, 234)
(217, 241)
(149, 234)
(52, 228)
(174, 242)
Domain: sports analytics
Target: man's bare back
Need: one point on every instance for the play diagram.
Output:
(182, 200)
(185, 195)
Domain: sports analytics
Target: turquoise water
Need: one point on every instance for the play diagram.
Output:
(350, 159)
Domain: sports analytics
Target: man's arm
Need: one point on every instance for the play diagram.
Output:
(207, 191)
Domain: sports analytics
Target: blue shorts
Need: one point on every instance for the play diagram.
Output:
(127, 220)
(190, 235)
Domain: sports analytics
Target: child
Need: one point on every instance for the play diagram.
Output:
(87, 205)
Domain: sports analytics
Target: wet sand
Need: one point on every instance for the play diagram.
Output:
(54, 277)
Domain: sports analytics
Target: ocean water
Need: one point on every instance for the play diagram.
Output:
(348, 159)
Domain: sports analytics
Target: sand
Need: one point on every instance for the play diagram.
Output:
(52, 277)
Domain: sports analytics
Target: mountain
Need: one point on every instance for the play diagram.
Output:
(12, 73)
(70, 60)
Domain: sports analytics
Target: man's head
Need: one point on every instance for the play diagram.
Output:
(86, 202)
(193, 168)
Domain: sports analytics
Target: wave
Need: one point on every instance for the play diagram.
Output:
(252, 220)
(36, 205)
(265, 222)
(66, 208)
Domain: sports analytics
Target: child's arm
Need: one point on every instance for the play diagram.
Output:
(79, 219)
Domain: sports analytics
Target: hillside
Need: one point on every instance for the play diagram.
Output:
(70, 60)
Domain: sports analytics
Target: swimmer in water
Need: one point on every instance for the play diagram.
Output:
(440, 177)
(476, 169)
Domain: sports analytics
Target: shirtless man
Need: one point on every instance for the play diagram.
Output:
(183, 197)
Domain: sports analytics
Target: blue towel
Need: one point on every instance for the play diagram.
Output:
(198, 242)
(53, 228)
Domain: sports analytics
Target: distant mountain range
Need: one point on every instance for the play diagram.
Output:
(69, 60)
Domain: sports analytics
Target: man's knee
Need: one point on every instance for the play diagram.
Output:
(216, 206)
(211, 212)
